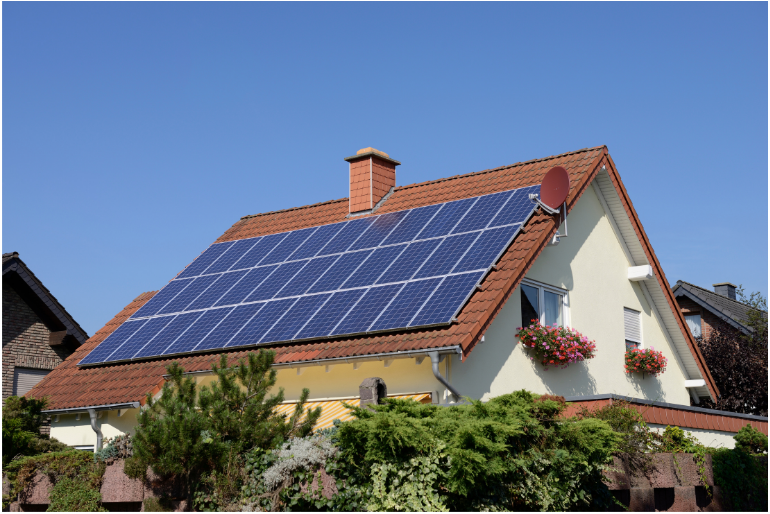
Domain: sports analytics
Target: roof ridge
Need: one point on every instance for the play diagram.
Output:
(428, 182)
(294, 208)
(722, 297)
(499, 168)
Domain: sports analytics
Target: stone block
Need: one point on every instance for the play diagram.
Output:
(641, 499)
(36, 493)
(687, 473)
(118, 488)
(684, 499)
(160, 487)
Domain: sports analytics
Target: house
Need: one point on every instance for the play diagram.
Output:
(38, 333)
(593, 269)
(705, 310)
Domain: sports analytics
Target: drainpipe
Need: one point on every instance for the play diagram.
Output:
(92, 413)
(434, 360)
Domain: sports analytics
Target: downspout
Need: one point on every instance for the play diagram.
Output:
(434, 360)
(95, 427)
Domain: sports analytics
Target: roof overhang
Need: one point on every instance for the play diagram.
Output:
(46, 301)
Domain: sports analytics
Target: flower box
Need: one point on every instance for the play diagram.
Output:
(646, 360)
(556, 346)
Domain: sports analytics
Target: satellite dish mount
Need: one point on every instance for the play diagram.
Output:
(553, 196)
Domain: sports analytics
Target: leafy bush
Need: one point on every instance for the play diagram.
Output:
(556, 346)
(118, 447)
(153, 504)
(70, 495)
(647, 360)
(738, 362)
(410, 486)
(751, 440)
(511, 453)
(22, 418)
(742, 478)
(71, 472)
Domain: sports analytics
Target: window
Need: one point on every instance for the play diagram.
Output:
(25, 379)
(544, 303)
(633, 324)
(693, 322)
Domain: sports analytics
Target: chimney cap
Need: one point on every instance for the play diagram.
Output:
(724, 284)
(368, 151)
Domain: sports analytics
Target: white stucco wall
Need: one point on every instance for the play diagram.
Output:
(711, 438)
(591, 266)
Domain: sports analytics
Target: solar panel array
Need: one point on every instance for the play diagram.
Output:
(399, 270)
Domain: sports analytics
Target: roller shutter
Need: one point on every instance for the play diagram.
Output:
(25, 379)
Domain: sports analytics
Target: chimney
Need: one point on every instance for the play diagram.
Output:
(372, 175)
(725, 289)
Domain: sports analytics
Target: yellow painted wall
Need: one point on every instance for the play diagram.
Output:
(75, 432)
(403, 376)
(591, 265)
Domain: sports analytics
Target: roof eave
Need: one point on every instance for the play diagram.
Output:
(16, 265)
(683, 291)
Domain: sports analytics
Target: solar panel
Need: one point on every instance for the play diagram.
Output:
(393, 271)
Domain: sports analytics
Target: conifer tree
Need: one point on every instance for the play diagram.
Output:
(189, 432)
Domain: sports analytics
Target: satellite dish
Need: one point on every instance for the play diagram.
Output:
(555, 187)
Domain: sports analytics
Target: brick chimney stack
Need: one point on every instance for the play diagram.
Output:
(372, 175)
(725, 289)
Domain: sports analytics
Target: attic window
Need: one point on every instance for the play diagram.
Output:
(544, 303)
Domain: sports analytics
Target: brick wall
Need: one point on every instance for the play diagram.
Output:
(25, 340)
(708, 320)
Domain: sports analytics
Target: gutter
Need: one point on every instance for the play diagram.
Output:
(404, 354)
(88, 408)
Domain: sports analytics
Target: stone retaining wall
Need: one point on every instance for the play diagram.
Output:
(668, 482)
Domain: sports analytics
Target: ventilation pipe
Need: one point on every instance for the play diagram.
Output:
(434, 360)
(95, 427)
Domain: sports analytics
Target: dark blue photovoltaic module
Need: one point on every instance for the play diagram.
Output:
(393, 271)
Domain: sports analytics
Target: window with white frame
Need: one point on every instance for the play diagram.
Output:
(693, 322)
(632, 320)
(544, 303)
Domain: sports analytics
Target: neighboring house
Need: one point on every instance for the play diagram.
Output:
(603, 280)
(38, 333)
(705, 310)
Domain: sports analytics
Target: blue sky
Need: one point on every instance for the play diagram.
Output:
(134, 134)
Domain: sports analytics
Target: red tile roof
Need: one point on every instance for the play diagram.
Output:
(69, 386)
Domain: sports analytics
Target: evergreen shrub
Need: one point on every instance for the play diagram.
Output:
(511, 453)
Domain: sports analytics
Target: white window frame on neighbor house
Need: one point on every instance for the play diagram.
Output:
(541, 289)
(688, 320)
(640, 342)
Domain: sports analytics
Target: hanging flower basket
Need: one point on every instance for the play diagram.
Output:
(646, 360)
(556, 346)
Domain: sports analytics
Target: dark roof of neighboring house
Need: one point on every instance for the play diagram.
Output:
(734, 312)
(71, 387)
(40, 298)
